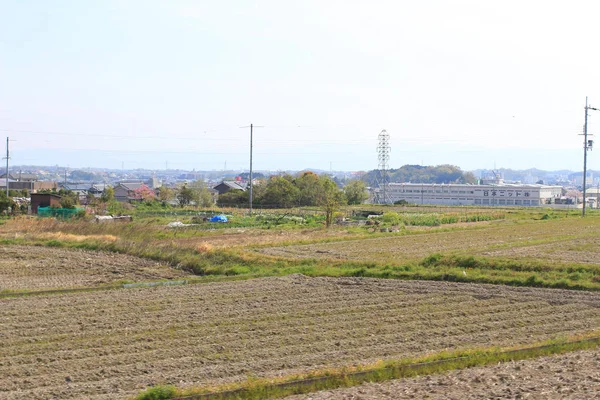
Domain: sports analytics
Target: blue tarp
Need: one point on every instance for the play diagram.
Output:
(218, 218)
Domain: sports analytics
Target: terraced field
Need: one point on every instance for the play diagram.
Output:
(43, 268)
(562, 240)
(567, 376)
(113, 343)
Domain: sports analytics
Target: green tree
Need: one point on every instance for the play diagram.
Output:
(69, 199)
(234, 198)
(309, 189)
(356, 192)
(67, 202)
(331, 199)
(201, 194)
(165, 193)
(5, 202)
(108, 194)
(280, 192)
(185, 196)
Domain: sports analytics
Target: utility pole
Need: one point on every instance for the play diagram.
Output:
(7, 158)
(250, 194)
(587, 145)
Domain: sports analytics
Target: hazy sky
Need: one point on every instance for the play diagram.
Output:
(470, 83)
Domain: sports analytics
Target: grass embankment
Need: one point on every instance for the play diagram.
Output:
(332, 378)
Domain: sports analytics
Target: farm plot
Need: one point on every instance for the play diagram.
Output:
(567, 376)
(114, 343)
(35, 268)
(503, 238)
(581, 250)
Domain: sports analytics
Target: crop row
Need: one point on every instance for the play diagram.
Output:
(113, 343)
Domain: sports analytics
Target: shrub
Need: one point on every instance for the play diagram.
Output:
(157, 393)
(391, 218)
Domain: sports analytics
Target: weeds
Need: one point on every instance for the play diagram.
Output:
(157, 393)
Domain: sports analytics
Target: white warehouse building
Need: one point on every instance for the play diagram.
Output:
(465, 194)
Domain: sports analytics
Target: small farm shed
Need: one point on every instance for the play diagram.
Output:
(44, 200)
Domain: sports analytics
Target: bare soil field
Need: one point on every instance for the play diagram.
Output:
(581, 250)
(36, 267)
(573, 375)
(505, 238)
(114, 343)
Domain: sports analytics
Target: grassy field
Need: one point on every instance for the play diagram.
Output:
(312, 309)
(517, 247)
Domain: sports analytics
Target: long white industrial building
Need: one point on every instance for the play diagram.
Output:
(465, 194)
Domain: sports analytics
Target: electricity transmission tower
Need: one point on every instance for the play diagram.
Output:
(383, 156)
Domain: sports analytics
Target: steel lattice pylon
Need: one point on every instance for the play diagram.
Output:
(383, 156)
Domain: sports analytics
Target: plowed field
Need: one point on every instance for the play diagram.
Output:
(35, 268)
(111, 344)
(568, 241)
(567, 376)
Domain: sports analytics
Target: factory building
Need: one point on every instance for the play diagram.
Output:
(472, 195)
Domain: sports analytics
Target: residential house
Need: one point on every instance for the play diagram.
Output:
(80, 190)
(25, 181)
(227, 186)
(125, 191)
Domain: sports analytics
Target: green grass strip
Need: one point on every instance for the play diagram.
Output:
(330, 379)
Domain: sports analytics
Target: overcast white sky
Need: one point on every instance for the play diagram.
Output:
(470, 83)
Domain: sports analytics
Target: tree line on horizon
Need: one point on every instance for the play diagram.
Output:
(439, 174)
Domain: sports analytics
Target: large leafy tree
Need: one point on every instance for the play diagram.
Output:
(330, 199)
(356, 192)
(200, 193)
(280, 192)
(234, 198)
(309, 189)
(185, 196)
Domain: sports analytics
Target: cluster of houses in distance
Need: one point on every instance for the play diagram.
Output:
(559, 190)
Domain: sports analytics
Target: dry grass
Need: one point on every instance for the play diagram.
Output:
(69, 237)
(204, 247)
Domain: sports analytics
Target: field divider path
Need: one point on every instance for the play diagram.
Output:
(397, 370)
(133, 285)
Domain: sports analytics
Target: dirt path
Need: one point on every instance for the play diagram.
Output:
(112, 344)
(36, 267)
(568, 376)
